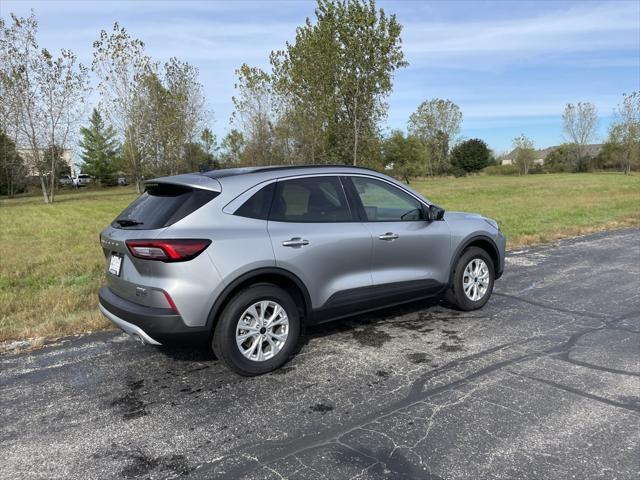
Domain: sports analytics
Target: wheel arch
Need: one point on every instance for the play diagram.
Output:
(274, 275)
(481, 241)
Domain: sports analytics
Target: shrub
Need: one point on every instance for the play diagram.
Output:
(471, 155)
(501, 170)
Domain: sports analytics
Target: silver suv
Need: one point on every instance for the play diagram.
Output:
(245, 257)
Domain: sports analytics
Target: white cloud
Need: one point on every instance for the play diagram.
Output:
(585, 27)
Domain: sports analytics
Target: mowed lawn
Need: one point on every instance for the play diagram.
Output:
(51, 264)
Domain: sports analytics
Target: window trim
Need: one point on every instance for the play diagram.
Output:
(347, 184)
(360, 206)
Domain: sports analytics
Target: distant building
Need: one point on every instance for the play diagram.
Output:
(540, 155)
(30, 158)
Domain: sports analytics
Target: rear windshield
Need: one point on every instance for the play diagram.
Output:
(162, 205)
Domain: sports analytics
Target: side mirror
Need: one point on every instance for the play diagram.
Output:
(434, 213)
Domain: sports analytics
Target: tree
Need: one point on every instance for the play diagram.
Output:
(121, 66)
(232, 147)
(185, 111)
(525, 153)
(436, 123)
(471, 155)
(580, 123)
(611, 156)
(209, 142)
(404, 155)
(254, 115)
(332, 81)
(100, 149)
(47, 94)
(197, 159)
(562, 158)
(12, 168)
(624, 133)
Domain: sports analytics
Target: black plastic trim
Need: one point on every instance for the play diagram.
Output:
(365, 299)
(454, 259)
(162, 324)
(231, 287)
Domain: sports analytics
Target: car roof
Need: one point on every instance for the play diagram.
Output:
(238, 180)
(227, 172)
(246, 177)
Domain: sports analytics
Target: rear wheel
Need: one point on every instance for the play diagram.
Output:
(472, 280)
(258, 330)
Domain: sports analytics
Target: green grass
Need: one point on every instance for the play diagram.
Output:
(51, 264)
(541, 208)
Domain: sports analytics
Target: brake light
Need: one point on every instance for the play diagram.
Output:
(167, 250)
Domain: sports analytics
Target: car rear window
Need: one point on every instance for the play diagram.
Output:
(162, 205)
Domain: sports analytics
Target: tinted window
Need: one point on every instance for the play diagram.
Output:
(258, 205)
(385, 203)
(315, 199)
(162, 205)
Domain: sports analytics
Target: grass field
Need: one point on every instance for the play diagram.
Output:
(51, 264)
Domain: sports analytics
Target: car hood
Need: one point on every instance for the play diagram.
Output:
(462, 216)
(467, 216)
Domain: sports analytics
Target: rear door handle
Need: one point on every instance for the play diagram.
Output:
(295, 242)
(389, 236)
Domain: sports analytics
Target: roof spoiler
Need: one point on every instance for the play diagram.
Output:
(192, 180)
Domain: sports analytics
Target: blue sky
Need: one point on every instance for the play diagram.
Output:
(511, 66)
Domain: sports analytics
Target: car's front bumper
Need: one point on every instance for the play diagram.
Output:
(150, 325)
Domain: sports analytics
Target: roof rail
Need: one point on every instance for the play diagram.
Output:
(224, 172)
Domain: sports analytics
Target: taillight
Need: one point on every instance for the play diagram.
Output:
(167, 250)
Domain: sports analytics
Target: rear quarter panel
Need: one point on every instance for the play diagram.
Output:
(238, 245)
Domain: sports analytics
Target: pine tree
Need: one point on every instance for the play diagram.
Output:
(100, 149)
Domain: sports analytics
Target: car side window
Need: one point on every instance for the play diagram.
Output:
(258, 205)
(311, 200)
(385, 203)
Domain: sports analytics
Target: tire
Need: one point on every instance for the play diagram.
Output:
(479, 293)
(238, 318)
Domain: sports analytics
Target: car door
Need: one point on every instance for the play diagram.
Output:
(408, 249)
(315, 236)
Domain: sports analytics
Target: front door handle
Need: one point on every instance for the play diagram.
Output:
(389, 236)
(295, 242)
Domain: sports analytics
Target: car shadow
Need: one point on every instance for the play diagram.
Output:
(201, 352)
(373, 318)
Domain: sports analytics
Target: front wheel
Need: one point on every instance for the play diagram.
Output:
(258, 330)
(472, 280)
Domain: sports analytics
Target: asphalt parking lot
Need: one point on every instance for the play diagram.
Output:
(544, 382)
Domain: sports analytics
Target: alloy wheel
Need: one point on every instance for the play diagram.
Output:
(262, 330)
(475, 279)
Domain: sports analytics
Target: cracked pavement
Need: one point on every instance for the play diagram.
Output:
(544, 382)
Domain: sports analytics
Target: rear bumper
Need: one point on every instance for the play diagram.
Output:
(129, 328)
(152, 325)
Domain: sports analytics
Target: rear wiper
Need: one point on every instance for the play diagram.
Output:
(126, 222)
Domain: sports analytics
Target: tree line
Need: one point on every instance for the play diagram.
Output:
(151, 118)
(620, 151)
(323, 100)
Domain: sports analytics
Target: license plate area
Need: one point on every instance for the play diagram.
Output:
(115, 264)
